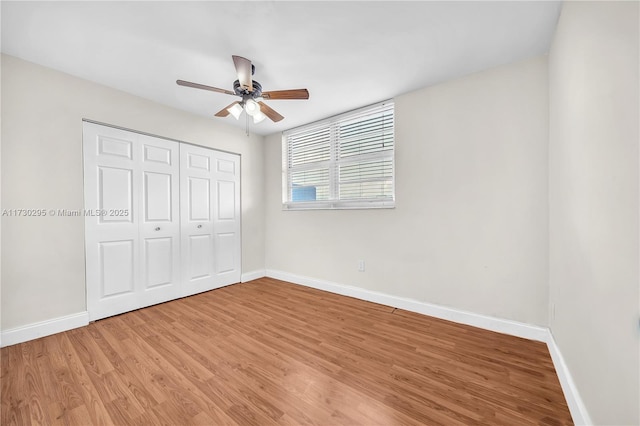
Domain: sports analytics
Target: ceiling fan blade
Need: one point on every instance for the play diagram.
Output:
(243, 68)
(203, 87)
(286, 94)
(270, 112)
(224, 112)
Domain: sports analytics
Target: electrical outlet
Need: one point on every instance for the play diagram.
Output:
(361, 265)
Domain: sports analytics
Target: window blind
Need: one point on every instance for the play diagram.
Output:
(346, 161)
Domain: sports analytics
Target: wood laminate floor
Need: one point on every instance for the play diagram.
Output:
(269, 352)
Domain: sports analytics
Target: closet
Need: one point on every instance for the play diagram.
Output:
(162, 219)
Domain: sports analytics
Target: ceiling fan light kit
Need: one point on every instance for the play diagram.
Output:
(251, 107)
(258, 117)
(235, 110)
(251, 93)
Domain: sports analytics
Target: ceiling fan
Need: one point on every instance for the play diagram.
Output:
(251, 93)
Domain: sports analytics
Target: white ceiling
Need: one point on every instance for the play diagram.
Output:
(348, 54)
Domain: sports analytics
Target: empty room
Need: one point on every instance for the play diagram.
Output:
(320, 213)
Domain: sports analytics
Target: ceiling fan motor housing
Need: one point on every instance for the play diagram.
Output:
(241, 91)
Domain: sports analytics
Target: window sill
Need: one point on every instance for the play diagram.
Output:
(339, 205)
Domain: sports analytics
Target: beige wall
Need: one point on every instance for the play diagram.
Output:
(0, 193)
(593, 77)
(469, 229)
(43, 275)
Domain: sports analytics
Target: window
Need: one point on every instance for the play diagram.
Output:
(343, 162)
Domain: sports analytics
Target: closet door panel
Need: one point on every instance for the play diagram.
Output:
(226, 221)
(159, 257)
(226, 200)
(196, 193)
(158, 197)
(115, 193)
(199, 204)
(160, 220)
(116, 268)
(111, 170)
(225, 247)
(199, 261)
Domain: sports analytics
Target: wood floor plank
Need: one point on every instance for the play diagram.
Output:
(80, 384)
(269, 352)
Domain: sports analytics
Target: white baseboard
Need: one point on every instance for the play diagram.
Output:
(577, 408)
(513, 328)
(44, 328)
(252, 275)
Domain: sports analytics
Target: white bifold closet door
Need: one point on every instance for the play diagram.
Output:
(210, 210)
(136, 228)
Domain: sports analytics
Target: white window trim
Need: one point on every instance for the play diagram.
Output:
(333, 203)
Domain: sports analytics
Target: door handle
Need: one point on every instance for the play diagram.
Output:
(199, 226)
(157, 228)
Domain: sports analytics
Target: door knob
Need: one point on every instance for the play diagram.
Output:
(199, 226)
(157, 228)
